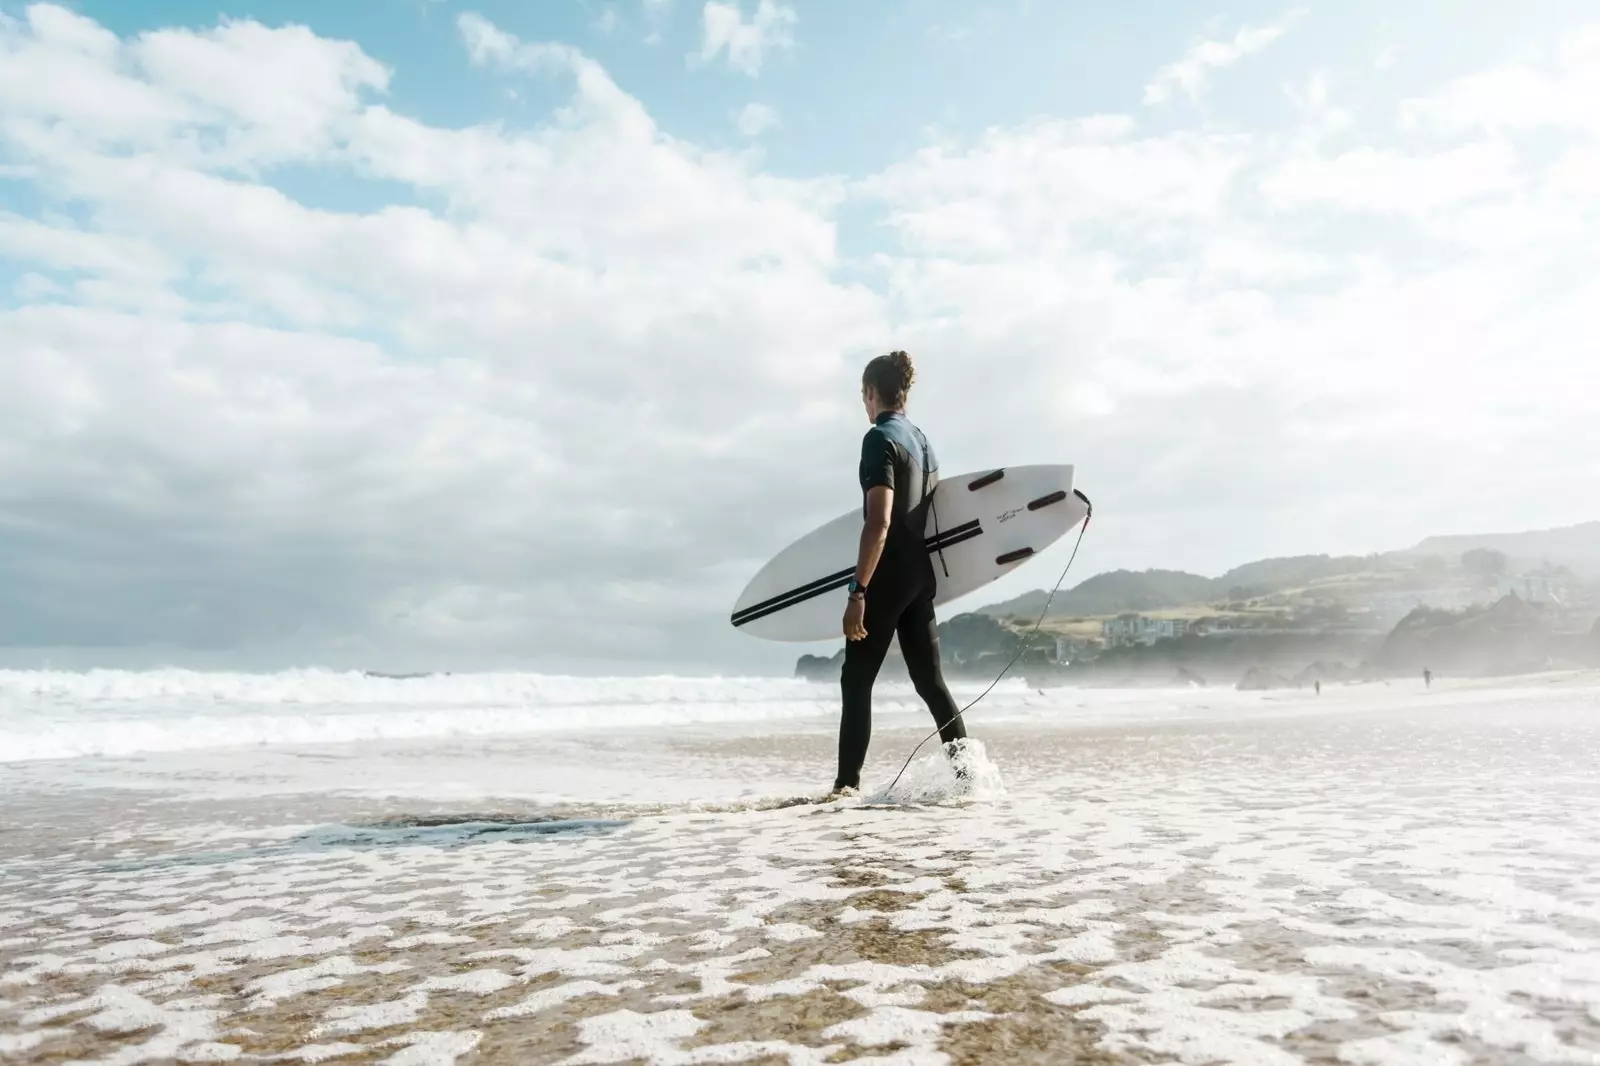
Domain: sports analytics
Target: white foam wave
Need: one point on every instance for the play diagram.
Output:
(958, 772)
(319, 686)
(62, 715)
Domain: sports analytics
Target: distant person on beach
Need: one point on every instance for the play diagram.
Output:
(1318, 686)
(892, 591)
(1427, 678)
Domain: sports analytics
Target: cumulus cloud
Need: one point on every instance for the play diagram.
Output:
(303, 417)
(1353, 311)
(724, 29)
(1190, 74)
(560, 389)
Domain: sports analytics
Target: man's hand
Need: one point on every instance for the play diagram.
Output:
(855, 617)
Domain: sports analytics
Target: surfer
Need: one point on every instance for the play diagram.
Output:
(893, 588)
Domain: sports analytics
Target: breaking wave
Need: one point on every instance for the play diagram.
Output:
(63, 715)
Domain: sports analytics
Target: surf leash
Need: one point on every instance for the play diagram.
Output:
(1022, 645)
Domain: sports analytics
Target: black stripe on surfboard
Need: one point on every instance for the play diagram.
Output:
(947, 538)
(797, 595)
(959, 535)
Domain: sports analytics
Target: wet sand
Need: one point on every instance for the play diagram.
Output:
(1368, 879)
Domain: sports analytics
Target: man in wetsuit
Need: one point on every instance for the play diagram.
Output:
(892, 591)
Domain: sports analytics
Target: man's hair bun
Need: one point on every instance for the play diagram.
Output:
(890, 376)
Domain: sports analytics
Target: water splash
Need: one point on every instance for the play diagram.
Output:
(958, 772)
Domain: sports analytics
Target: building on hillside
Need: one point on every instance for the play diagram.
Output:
(1543, 586)
(1069, 649)
(1390, 605)
(1555, 589)
(1132, 628)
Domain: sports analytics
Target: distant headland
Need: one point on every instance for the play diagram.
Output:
(1494, 604)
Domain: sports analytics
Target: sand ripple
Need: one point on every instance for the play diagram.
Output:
(1359, 891)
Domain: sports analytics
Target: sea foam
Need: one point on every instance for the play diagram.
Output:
(64, 715)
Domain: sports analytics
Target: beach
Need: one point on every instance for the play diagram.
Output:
(505, 869)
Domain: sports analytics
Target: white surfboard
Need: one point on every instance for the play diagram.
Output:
(988, 524)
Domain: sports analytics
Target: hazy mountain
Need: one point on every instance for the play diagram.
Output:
(1289, 571)
(1147, 590)
(1575, 546)
(1111, 593)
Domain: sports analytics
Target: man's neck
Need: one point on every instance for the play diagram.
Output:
(890, 413)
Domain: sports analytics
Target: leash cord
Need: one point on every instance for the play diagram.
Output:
(1021, 647)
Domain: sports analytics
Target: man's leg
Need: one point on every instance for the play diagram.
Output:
(919, 643)
(862, 660)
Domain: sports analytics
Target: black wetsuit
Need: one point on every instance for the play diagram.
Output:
(895, 454)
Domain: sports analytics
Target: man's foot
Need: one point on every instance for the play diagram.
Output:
(955, 752)
(841, 792)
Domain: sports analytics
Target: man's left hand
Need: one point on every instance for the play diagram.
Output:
(855, 617)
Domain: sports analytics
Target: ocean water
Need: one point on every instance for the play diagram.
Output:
(542, 738)
(442, 738)
(57, 715)
(48, 715)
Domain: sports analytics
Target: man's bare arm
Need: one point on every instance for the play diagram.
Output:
(874, 532)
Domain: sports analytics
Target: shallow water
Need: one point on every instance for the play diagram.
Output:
(1375, 876)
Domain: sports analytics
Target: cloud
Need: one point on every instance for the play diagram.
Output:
(1395, 182)
(1190, 74)
(988, 202)
(723, 28)
(1556, 90)
(1217, 319)
(755, 119)
(260, 96)
(287, 422)
(554, 391)
(655, 18)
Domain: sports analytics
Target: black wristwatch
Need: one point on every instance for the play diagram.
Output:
(857, 587)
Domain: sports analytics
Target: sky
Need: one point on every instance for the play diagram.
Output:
(467, 334)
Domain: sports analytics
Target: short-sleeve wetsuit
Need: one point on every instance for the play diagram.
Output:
(895, 454)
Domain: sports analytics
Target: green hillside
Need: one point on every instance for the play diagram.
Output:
(1272, 575)
(1318, 576)
(1111, 593)
(1153, 590)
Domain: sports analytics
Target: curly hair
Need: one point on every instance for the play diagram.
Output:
(890, 377)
